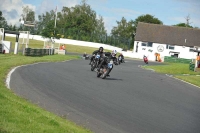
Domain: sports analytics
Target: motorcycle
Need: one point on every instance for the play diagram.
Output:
(95, 62)
(86, 56)
(120, 59)
(145, 59)
(105, 70)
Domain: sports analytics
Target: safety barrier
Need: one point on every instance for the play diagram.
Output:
(1, 48)
(191, 66)
(38, 52)
(176, 60)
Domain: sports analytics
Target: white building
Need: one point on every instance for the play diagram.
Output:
(166, 41)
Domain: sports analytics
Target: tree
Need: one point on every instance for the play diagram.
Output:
(45, 21)
(147, 19)
(79, 21)
(123, 29)
(187, 24)
(124, 32)
(99, 33)
(183, 25)
(3, 22)
(49, 31)
(28, 16)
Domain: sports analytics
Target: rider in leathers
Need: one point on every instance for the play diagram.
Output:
(108, 56)
(122, 56)
(99, 51)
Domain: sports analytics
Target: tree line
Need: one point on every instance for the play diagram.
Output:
(81, 23)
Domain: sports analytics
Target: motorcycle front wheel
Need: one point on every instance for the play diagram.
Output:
(105, 73)
(98, 74)
(93, 65)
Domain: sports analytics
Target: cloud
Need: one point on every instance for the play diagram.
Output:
(111, 15)
(191, 8)
(193, 21)
(47, 5)
(189, 1)
(110, 20)
(12, 10)
(122, 12)
(109, 23)
(177, 19)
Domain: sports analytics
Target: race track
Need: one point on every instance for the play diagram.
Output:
(132, 100)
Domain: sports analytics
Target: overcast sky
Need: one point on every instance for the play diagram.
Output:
(170, 12)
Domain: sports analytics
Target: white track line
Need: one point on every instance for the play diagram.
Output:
(174, 77)
(9, 76)
(171, 76)
(10, 73)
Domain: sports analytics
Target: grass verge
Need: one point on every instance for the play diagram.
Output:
(18, 115)
(178, 70)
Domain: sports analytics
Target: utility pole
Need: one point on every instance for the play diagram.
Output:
(55, 21)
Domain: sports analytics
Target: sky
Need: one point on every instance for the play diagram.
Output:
(170, 12)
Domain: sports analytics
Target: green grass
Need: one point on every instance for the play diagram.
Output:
(178, 70)
(191, 79)
(17, 115)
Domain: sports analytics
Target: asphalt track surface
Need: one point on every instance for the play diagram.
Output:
(132, 100)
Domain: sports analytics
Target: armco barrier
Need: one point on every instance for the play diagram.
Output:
(1, 48)
(176, 60)
(38, 52)
(191, 66)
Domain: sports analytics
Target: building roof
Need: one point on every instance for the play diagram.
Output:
(171, 35)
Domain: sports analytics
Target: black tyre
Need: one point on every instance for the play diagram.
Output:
(105, 73)
(93, 66)
(98, 74)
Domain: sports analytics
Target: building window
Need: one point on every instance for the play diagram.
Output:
(147, 44)
(191, 49)
(144, 44)
(169, 47)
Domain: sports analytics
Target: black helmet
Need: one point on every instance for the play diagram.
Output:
(101, 49)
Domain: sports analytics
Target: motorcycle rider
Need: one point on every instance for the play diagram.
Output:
(122, 56)
(145, 59)
(85, 56)
(108, 56)
(144, 56)
(99, 51)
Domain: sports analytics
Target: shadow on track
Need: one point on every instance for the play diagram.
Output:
(113, 79)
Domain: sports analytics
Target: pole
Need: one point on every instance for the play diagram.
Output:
(55, 20)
